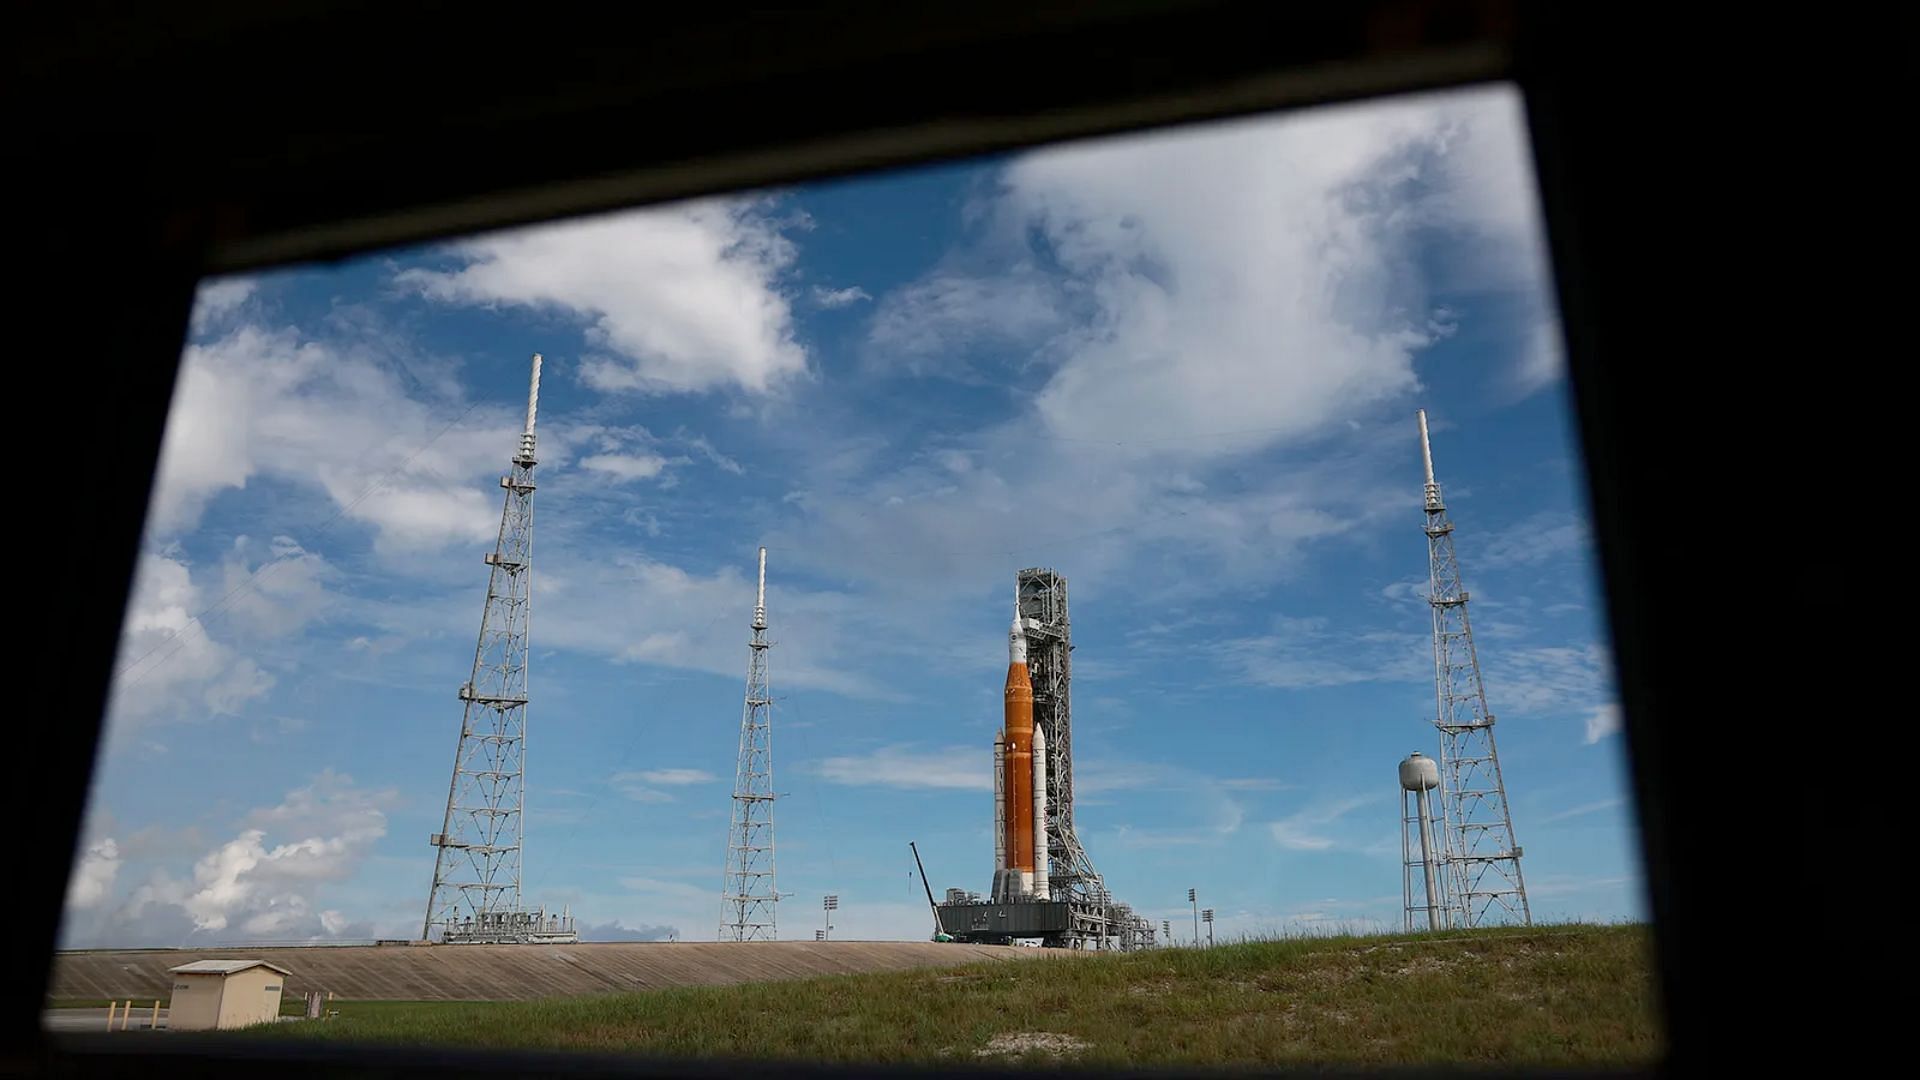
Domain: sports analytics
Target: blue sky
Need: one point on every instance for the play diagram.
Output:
(1181, 369)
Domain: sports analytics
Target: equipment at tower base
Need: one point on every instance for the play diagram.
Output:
(1044, 885)
(1418, 776)
(748, 895)
(475, 897)
(1482, 881)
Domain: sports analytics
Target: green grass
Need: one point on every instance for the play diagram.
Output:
(1553, 995)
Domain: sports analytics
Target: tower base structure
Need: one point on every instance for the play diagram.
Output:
(1055, 924)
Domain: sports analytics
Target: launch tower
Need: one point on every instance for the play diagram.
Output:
(1045, 884)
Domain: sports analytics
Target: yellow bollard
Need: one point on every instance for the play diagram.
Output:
(154, 1025)
(112, 1007)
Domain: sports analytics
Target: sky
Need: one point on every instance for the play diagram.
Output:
(1180, 368)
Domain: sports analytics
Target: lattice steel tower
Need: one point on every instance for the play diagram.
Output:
(1071, 876)
(1481, 858)
(476, 872)
(748, 895)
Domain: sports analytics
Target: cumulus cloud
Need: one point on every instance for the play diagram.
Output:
(1252, 282)
(265, 883)
(339, 416)
(1200, 331)
(169, 664)
(93, 876)
(684, 298)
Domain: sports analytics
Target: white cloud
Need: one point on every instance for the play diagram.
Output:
(1546, 680)
(1603, 721)
(1302, 653)
(1304, 830)
(169, 665)
(1539, 539)
(686, 297)
(619, 931)
(218, 300)
(1254, 783)
(626, 466)
(839, 298)
(1164, 307)
(927, 326)
(259, 884)
(1582, 810)
(677, 776)
(641, 794)
(1248, 282)
(1544, 360)
(93, 877)
(275, 592)
(956, 767)
(635, 609)
(337, 416)
(700, 445)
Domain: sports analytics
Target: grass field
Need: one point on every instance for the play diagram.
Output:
(1553, 995)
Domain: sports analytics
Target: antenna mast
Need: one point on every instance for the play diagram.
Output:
(1483, 881)
(748, 895)
(476, 869)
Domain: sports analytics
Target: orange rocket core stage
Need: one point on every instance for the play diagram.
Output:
(1019, 768)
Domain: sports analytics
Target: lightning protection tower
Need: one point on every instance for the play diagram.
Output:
(1482, 860)
(748, 894)
(476, 871)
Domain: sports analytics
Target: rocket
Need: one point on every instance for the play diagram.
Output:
(1020, 782)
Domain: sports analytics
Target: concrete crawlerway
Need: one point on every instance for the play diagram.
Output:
(518, 972)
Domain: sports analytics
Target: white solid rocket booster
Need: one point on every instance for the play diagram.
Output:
(1041, 887)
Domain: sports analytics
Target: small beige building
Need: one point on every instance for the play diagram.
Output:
(224, 994)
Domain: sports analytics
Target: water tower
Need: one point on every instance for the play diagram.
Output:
(1418, 776)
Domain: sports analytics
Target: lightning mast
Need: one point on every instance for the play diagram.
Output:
(748, 895)
(1482, 860)
(476, 871)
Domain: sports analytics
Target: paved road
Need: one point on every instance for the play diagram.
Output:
(96, 1019)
